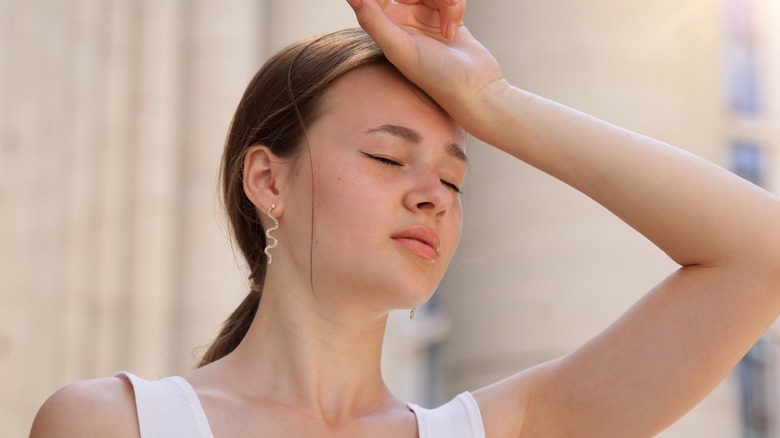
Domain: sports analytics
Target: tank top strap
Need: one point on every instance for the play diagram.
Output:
(458, 418)
(167, 408)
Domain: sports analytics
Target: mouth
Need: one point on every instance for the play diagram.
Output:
(420, 240)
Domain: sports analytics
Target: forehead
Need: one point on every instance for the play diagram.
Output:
(376, 95)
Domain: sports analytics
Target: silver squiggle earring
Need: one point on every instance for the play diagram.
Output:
(411, 314)
(268, 235)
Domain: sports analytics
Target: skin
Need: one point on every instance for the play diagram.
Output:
(676, 344)
(370, 183)
(634, 379)
(372, 180)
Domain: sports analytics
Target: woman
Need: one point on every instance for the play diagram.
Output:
(353, 174)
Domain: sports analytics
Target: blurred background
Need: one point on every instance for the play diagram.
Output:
(114, 253)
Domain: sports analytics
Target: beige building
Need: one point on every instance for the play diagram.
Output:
(113, 250)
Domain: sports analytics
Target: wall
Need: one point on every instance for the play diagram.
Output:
(114, 254)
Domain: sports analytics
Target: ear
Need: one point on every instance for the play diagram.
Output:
(262, 178)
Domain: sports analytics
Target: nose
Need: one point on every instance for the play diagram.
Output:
(429, 195)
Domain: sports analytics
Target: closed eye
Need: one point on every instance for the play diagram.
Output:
(452, 186)
(383, 160)
(391, 162)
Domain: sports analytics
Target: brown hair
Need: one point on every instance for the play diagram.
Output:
(279, 103)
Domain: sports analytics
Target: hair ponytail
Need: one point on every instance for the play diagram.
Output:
(279, 103)
(234, 329)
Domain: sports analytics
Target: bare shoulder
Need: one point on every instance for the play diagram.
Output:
(100, 407)
(504, 405)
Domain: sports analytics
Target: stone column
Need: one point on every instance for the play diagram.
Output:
(119, 118)
(156, 216)
(228, 44)
(292, 20)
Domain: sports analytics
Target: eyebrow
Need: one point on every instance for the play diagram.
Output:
(411, 136)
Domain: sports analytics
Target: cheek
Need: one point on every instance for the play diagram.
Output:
(349, 182)
(348, 204)
(457, 224)
(339, 192)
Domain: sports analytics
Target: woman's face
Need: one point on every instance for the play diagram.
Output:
(386, 164)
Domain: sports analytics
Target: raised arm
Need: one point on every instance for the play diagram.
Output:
(675, 345)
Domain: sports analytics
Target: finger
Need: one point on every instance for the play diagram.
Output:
(425, 12)
(379, 26)
(451, 16)
(449, 13)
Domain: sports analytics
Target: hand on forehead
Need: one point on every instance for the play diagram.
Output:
(432, 16)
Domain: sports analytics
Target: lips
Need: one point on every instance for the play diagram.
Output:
(420, 240)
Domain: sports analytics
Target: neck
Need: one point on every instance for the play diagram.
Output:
(323, 358)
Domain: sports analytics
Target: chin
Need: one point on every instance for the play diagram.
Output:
(417, 296)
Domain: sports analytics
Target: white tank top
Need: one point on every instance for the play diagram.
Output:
(170, 408)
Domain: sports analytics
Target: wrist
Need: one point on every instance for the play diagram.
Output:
(489, 110)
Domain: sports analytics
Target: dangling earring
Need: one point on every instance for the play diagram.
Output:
(268, 235)
(411, 314)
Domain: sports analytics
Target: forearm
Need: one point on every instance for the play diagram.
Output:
(695, 211)
(682, 338)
